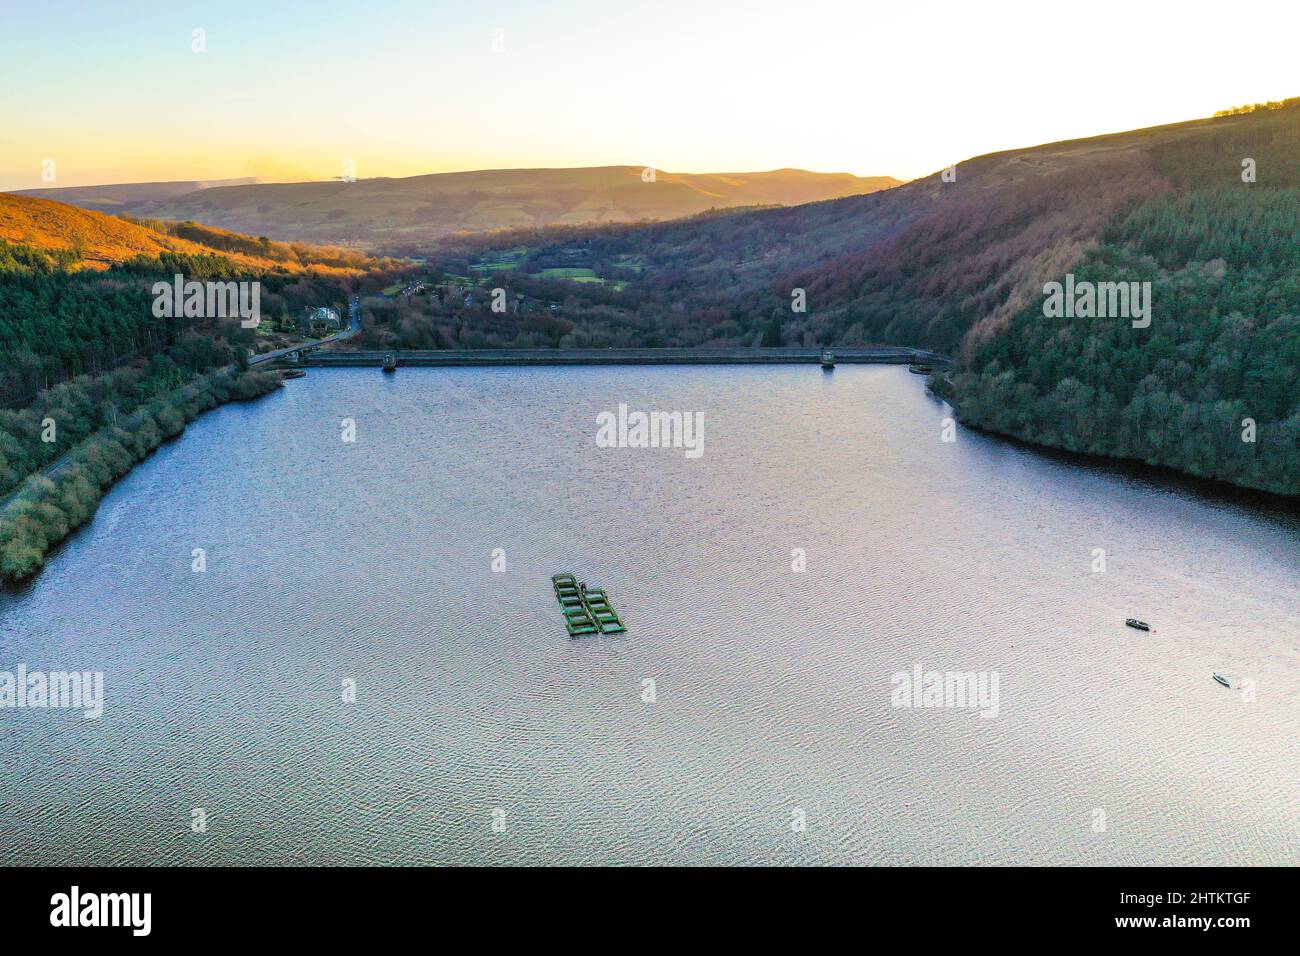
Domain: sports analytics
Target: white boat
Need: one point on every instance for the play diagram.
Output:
(1222, 680)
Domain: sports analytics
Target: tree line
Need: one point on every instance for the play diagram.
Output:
(1211, 388)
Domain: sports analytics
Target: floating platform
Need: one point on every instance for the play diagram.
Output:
(586, 610)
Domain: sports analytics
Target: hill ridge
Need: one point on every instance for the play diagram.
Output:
(425, 207)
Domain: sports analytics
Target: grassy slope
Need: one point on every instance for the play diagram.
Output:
(124, 197)
(104, 240)
(422, 208)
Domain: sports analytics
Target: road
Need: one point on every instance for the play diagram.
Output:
(354, 326)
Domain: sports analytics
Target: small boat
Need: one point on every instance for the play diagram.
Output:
(828, 359)
(390, 362)
(292, 373)
(920, 369)
(1140, 625)
(1222, 680)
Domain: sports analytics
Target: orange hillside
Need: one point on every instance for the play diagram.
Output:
(104, 240)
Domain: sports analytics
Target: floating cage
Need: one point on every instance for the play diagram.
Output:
(586, 610)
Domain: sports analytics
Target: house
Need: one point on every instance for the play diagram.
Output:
(321, 320)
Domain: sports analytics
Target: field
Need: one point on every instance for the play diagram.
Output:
(575, 273)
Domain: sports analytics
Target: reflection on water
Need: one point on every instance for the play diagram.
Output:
(371, 562)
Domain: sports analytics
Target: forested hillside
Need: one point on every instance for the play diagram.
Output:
(57, 322)
(1212, 388)
(921, 263)
(91, 380)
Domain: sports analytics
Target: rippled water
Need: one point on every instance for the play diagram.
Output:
(371, 561)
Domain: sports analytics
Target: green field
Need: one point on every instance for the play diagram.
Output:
(569, 272)
(509, 261)
(577, 274)
(624, 261)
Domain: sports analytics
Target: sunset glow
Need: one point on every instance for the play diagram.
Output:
(288, 91)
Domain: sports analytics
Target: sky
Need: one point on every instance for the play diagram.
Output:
(118, 92)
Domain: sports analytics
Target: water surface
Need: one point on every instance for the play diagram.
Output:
(372, 562)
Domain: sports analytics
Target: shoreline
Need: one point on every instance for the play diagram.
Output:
(1206, 487)
(52, 504)
(1221, 489)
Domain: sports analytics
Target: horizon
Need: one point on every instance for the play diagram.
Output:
(254, 180)
(429, 89)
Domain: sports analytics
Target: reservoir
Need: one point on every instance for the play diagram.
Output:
(369, 665)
